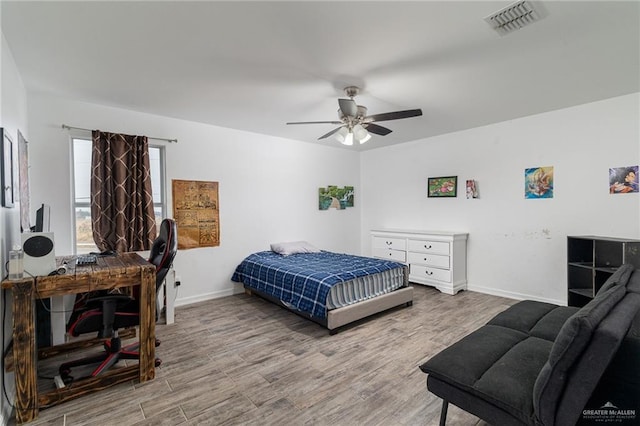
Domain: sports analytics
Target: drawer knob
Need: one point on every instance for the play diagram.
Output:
(425, 259)
(428, 273)
(427, 246)
(388, 243)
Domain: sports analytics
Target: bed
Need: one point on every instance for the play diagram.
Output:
(332, 289)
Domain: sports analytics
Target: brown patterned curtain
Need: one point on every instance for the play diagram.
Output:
(121, 197)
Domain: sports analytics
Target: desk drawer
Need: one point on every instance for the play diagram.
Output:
(426, 246)
(383, 253)
(427, 273)
(389, 243)
(426, 259)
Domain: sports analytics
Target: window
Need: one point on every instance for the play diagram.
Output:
(82, 190)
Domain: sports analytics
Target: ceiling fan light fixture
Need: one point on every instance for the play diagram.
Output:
(341, 134)
(360, 133)
(355, 123)
(348, 139)
(366, 138)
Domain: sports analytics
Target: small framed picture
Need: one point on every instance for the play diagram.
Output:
(472, 189)
(538, 182)
(623, 180)
(7, 169)
(446, 186)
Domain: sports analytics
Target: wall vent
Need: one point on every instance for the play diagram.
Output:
(513, 17)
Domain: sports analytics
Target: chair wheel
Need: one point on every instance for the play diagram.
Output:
(158, 362)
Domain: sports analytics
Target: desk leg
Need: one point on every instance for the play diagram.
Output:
(147, 325)
(170, 291)
(24, 353)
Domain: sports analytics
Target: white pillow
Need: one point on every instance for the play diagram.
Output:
(294, 247)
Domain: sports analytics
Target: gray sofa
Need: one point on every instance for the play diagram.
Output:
(543, 364)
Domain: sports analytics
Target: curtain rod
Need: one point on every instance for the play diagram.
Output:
(64, 126)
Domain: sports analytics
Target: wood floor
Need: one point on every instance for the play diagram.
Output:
(241, 360)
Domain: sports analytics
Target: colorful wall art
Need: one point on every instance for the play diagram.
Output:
(623, 180)
(333, 197)
(538, 182)
(197, 214)
(442, 186)
(472, 189)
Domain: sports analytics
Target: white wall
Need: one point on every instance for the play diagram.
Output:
(268, 189)
(516, 247)
(268, 186)
(13, 117)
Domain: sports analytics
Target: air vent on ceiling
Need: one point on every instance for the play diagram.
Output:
(513, 17)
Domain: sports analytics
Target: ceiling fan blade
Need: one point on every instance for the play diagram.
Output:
(394, 115)
(378, 130)
(315, 122)
(330, 133)
(348, 107)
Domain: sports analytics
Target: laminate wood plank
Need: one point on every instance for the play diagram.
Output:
(240, 360)
(170, 417)
(278, 411)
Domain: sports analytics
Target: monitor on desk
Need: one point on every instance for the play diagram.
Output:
(43, 219)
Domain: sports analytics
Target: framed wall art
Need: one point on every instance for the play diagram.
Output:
(538, 182)
(623, 180)
(446, 186)
(7, 169)
(335, 197)
(197, 214)
(23, 181)
(472, 189)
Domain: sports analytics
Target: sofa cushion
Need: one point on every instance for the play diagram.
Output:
(568, 346)
(538, 319)
(620, 383)
(454, 364)
(522, 316)
(550, 325)
(508, 383)
(602, 348)
(620, 276)
(633, 285)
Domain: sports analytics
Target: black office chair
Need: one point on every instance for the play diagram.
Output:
(106, 313)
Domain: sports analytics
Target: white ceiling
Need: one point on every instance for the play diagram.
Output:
(256, 65)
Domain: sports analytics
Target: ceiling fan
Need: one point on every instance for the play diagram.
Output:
(354, 123)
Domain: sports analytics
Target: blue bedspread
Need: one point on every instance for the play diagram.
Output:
(304, 280)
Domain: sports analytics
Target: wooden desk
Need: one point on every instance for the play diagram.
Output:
(128, 269)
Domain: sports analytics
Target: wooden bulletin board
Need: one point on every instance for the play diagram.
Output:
(195, 209)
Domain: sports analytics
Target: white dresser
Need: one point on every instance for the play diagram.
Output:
(438, 259)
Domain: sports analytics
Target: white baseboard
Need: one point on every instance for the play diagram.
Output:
(207, 296)
(486, 290)
(514, 295)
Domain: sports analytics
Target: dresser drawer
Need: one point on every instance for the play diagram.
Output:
(426, 273)
(426, 246)
(383, 253)
(427, 259)
(389, 243)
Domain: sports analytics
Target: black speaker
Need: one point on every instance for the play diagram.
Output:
(39, 253)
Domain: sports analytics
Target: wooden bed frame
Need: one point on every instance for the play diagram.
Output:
(340, 317)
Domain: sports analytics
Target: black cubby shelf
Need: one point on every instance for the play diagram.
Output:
(592, 260)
